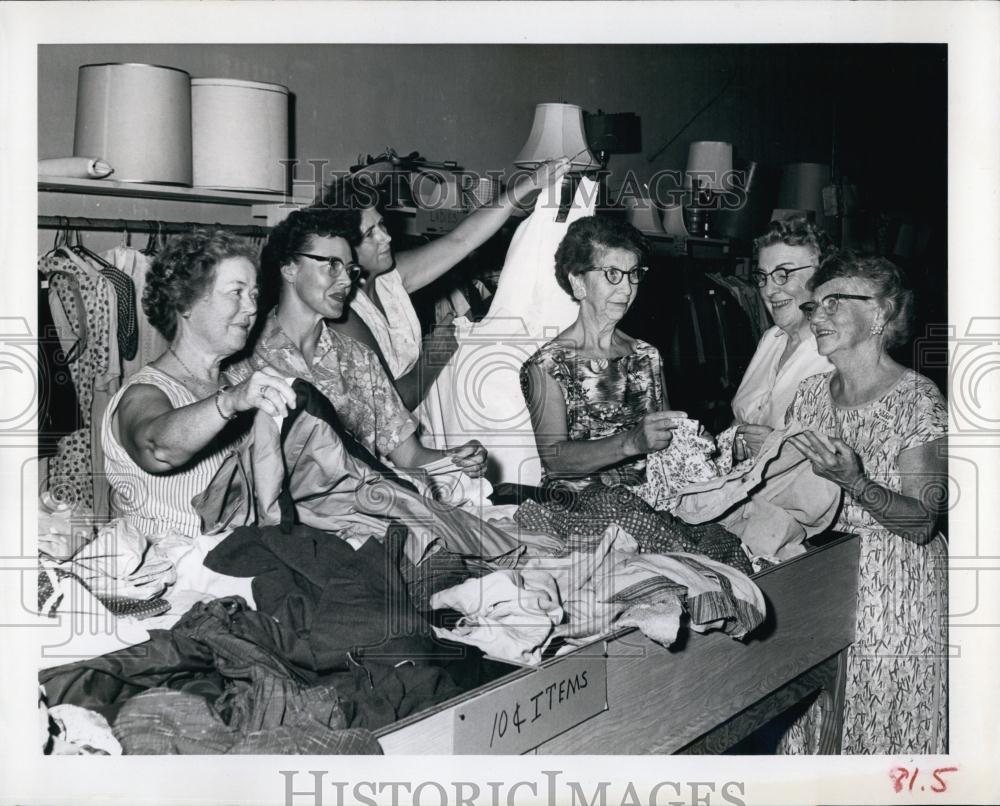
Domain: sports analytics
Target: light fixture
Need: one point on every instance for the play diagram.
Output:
(557, 131)
(709, 172)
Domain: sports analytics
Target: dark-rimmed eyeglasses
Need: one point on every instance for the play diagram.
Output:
(614, 275)
(829, 304)
(780, 276)
(336, 265)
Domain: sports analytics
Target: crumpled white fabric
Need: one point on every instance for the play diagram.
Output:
(510, 615)
(195, 583)
(83, 730)
(120, 561)
(450, 485)
(772, 506)
(589, 581)
(478, 393)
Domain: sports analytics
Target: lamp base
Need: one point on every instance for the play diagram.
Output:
(697, 221)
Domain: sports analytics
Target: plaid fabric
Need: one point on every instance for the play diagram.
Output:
(163, 721)
(128, 319)
(582, 520)
(739, 616)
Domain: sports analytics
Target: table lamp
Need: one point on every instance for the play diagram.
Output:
(557, 131)
(709, 169)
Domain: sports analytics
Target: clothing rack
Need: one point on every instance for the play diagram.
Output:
(144, 226)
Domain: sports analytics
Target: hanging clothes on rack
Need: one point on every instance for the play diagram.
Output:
(709, 346)
(748, 297)
(58, 407)
(150, 343)
(84, 308)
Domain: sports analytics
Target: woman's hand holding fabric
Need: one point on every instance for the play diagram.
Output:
(752, 436)
(546, 174)
(831, 458)
(653, 433)
(470, 458)
(266, 389)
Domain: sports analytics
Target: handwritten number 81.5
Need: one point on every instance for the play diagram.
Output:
(900, 775)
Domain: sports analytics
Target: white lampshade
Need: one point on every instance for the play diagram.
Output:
(557, 132)
(137, 118)
(239, 134)
(711, 161)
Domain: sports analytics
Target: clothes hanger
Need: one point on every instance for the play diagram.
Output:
(59, 239)
(78, 247)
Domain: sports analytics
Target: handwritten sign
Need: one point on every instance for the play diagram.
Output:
(523, 714)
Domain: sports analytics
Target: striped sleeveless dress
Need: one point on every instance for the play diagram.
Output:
(155, 504)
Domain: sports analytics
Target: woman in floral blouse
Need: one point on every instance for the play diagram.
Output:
(596, 395)
(309, 262)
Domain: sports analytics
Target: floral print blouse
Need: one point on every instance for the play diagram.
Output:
(348, 373)
(603, 397)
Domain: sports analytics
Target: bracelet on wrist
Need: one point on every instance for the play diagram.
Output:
(218, 403)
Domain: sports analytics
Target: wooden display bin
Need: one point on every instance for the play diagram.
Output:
(627, 695)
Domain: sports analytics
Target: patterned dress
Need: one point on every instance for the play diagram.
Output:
(896, 698)
(603, 397)
(348, 373)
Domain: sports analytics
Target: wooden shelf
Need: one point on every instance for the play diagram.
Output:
(138, 190)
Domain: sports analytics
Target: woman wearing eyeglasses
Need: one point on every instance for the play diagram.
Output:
(595, 395)
(788, 255)
(308, 265)
(381, 314)
(879, 431)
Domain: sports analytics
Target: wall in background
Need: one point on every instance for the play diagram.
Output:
(879, 112)
(474, 103)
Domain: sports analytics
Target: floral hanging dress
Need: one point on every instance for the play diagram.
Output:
(896, 696)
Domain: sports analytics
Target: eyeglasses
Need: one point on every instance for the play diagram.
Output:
(780, 276)
(336, 265)
(829, 303)
(614, 275)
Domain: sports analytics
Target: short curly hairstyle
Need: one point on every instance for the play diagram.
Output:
(576, 250)
(183, 272)
(888, 282)
(797, 231)
(294, 235)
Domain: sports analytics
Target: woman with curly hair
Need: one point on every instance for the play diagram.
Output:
(879, 431)
(596, 395)
(165, 432)
(788, 255)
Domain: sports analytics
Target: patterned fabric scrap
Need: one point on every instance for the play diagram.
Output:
(590, 593)
(582, 519)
